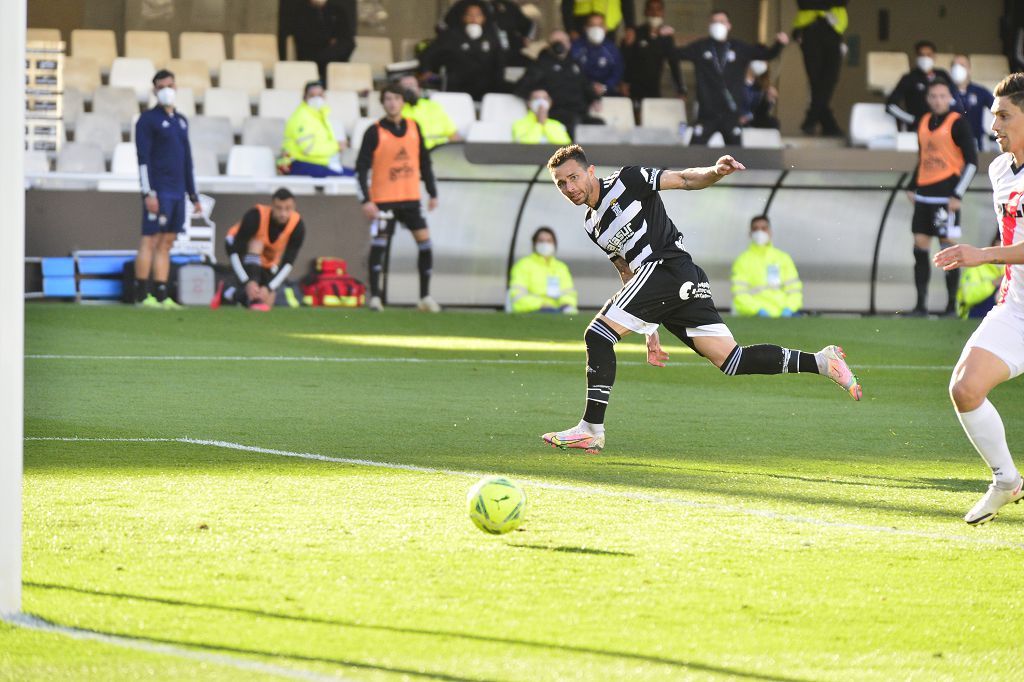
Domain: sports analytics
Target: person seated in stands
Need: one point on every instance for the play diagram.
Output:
(510, 23)
(764, 279)
(646, 54)
(556, 74)
(262, 248)
(310, 145)
(435, 124)
(971, 98)
(469, 55)
(908, 101)
(537, 127)
(598, 57)
(759, 107)
(540, 282)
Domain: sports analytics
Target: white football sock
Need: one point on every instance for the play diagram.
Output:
(596, 429)
(986, 432)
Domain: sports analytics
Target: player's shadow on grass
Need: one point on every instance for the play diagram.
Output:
(567, 648)
(574, 550)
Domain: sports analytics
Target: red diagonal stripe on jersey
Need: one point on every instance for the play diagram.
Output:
(1009, 229)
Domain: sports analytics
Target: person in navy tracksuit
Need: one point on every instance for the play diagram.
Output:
(166, 176)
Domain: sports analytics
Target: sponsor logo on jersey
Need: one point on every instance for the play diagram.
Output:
(699, 290)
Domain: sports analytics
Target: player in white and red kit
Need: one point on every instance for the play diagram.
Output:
(995, 352)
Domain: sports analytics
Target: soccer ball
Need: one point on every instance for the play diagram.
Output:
(496, 505)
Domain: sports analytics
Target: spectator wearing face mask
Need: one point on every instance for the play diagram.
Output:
(324, 30)
(510, 23)
(764, 279)
(908, 101)
(645, 56)
(469, 54)
(553, 72)
(537, 127)
(436, 125)
(818, 27)
(720, 63)
(971, 98)
(310, 145)
(598, 57)
(759, 108)
(540, 282)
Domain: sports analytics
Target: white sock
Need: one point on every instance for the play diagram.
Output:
(596, 429)
(985, 430)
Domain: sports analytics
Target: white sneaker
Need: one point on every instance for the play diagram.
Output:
(375, 304)
(428, 305)
(576, 438)
(994, 500)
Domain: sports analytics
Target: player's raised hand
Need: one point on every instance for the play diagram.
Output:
(727, 166)
(959, 256)
(656, 355)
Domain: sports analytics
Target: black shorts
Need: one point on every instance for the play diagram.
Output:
(409, 213)
(935, 220)
(673, 292)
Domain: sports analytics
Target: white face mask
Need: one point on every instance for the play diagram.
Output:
(959, 73)
(758, 67)
(546, 249)
(537, 104)
(474, 31)
(595, 34)
(760, 237)
(925, 63)
(655, 22)
(315, 102)
(718, 31)
(165, 96)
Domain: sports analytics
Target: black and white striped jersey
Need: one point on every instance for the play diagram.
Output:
(630, 219)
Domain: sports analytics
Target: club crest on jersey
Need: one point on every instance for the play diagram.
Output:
(699, 290)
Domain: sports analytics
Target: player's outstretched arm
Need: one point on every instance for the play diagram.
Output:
(967, 256)
(699, 178)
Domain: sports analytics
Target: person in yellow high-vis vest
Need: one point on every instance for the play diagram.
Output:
(310, 145)
(435, 123)
(615, 12)
(540, 282)
(819, 26)
(765, 281)
(537, 127)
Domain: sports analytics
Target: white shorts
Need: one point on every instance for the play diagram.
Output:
(1002, 334)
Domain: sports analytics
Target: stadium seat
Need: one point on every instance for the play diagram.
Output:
(136, 74)
(599, 134)
(251, 162)
(349, 76)
(74, 106)
(761, 138)
(459, 106)
(374, 109)
(988, 69)
(244, 75)
(906, 142)
(490, 131)
(184, 102)
(82, 74)
(885, 70)
(294, 75)
(497, 107)
(190, 73)
(36, 162)
(204, 161)
(987, 143)
(652, 135)
(257, 47)
(263, 132)
(662, 112)
(870, 126)
(80, 157)
(407, 49)
(274, 103)
(348, 157)
(99, 130)
(117, 103)
(204, 47)
(344, 109)
(232, 104)
(124, 162)
(152, 45)
(617, 112)
(101, 45)
(44, 35)
(214, 133)
(376, 51)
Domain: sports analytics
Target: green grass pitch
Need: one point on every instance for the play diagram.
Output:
(748, 528)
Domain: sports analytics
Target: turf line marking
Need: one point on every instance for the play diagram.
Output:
(545, 485)
(29, 622)
(396, 360)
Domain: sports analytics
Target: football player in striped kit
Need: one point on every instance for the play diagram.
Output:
(995, 351)
(660, 285)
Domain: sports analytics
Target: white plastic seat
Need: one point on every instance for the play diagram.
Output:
(36, 161)
(354, 76)
(499, 107)
(617, 112)
(232, 104)
(184, 102)
(377, 51)
(344, 109)
(906, 142)
(118, 103)
(294, 75)
(871, 126)
(214, 133)
(99, 130)
(885, 70)
(204, 47)
(125, 161)
(244, 75)
(651, 135)
(662, 112)
(133, 73)
(259, 131)
(152, 45)
(258, 47)
(599, 134)
(192, 74)
(82, 74)
(459, 106)
(761, 138)
(251, 162)
(348, 157)
(277, 103)
(988, 69)
(489, 131)
(80, 157)
(74, 106)
(204, 160)
(101, 45)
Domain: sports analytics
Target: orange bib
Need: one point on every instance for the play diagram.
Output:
(272, 250)
(940, 158)
(396, 166)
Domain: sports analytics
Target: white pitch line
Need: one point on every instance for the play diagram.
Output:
(583, 490)
(408, 360)
(29, 622)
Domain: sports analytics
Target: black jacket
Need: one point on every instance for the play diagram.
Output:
(908, 101)
(645, 62)
(512, 27)
(721, 69)
(473, 66)
(563, 80)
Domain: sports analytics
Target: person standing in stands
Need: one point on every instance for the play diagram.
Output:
(556, 74)
(469, 54)
(324, 31)
(908, 101)
(818, 27)
(167, 178)
(510, 23)
(615, 13)
(392, 161)
(646, 54)
(971, 98)
(598, 57)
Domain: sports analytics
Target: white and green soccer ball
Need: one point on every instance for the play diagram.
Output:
(496, 505)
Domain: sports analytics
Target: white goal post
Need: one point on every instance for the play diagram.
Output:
(12, 300)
